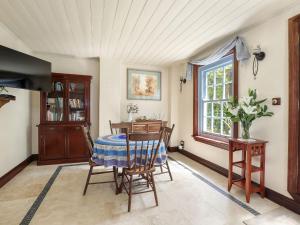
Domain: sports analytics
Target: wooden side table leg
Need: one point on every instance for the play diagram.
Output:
(248, 174)
(230, 166)
(262, 173)
(244, 160)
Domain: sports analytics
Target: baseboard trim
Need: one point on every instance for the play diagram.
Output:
(270, 194)
(13, 172)
(61, 161)
(173, 149)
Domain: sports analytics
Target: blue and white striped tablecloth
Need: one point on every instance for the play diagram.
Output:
(111, 150)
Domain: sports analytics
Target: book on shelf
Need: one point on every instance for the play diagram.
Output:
(77, 116)
(58, 102)
(76, 103)
(54, 116)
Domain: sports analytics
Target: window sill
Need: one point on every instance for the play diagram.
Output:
(216, 142)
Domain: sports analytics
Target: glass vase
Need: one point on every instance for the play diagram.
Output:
(246, 131)
(129, 117)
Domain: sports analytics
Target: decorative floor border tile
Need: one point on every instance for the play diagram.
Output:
(218, 189)
(33, 209)
(31, 212)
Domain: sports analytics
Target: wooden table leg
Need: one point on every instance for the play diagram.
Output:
(262, 173)
(115, 169)
(248, 174)
(230, 166)
(244, 160)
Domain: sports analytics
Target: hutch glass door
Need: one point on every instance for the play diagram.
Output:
(76, 101)
(55, 102)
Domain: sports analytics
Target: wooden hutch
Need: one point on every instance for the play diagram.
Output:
(63, 111)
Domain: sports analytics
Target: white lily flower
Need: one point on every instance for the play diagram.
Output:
(247, 99)
(234, 111)
(249, 109)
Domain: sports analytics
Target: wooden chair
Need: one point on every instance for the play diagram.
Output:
(141, 162)
(166, 138)
(116, 128)
(90, 145)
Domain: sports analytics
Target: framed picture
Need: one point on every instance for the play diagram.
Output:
(143, 85)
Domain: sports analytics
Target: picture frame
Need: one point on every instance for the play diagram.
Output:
(143, 84)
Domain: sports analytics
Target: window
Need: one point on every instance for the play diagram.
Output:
(214, 85)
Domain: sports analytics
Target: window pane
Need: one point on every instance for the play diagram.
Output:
(216, 88)
(224, 103)
(219, 75)
(219, 92)
(210, 93)
(228, 90)
(226, 127)
(228, 73)
(217, 109)
(210, 77)
(217, 126)
(207, 109)
(207, 124)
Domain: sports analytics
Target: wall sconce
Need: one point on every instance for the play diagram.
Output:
(259, 55)
(182, 81)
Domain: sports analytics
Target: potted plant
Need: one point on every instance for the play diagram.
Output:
(246, 111)
(2, 90)
(131, 109)
(5, 98)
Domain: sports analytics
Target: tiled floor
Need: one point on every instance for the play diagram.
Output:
(196, 196)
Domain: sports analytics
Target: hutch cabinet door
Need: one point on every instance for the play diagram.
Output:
(52, 142)
(77, 147)
(53, 103)
(77, 101)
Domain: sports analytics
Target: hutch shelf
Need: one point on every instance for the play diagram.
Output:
(63, 111)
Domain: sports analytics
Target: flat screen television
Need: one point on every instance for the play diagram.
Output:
(19, 70)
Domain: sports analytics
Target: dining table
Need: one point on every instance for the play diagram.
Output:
(111, 150)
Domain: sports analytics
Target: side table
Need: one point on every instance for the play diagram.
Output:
(250, 148)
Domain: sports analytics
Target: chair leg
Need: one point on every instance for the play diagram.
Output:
(88, 179)
(130, 193)
(122, 182)
(154, 189)
(169, 171)
(115, 170)
(161, 169)
(147, 176)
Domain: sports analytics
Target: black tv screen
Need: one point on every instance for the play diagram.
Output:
(19, 70)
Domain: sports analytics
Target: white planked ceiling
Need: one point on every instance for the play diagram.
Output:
(154, 32)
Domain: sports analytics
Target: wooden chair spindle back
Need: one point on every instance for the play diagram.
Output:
(88, 139)
(167, 135)
(145, 147)
(116, 128)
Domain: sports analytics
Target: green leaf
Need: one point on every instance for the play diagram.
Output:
(260, 101)
(265, 108)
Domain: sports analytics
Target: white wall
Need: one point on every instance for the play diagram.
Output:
(110, 94)
(15, 117)
(272, 81)
(113, 94)
(65, 64)
(175, 103)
